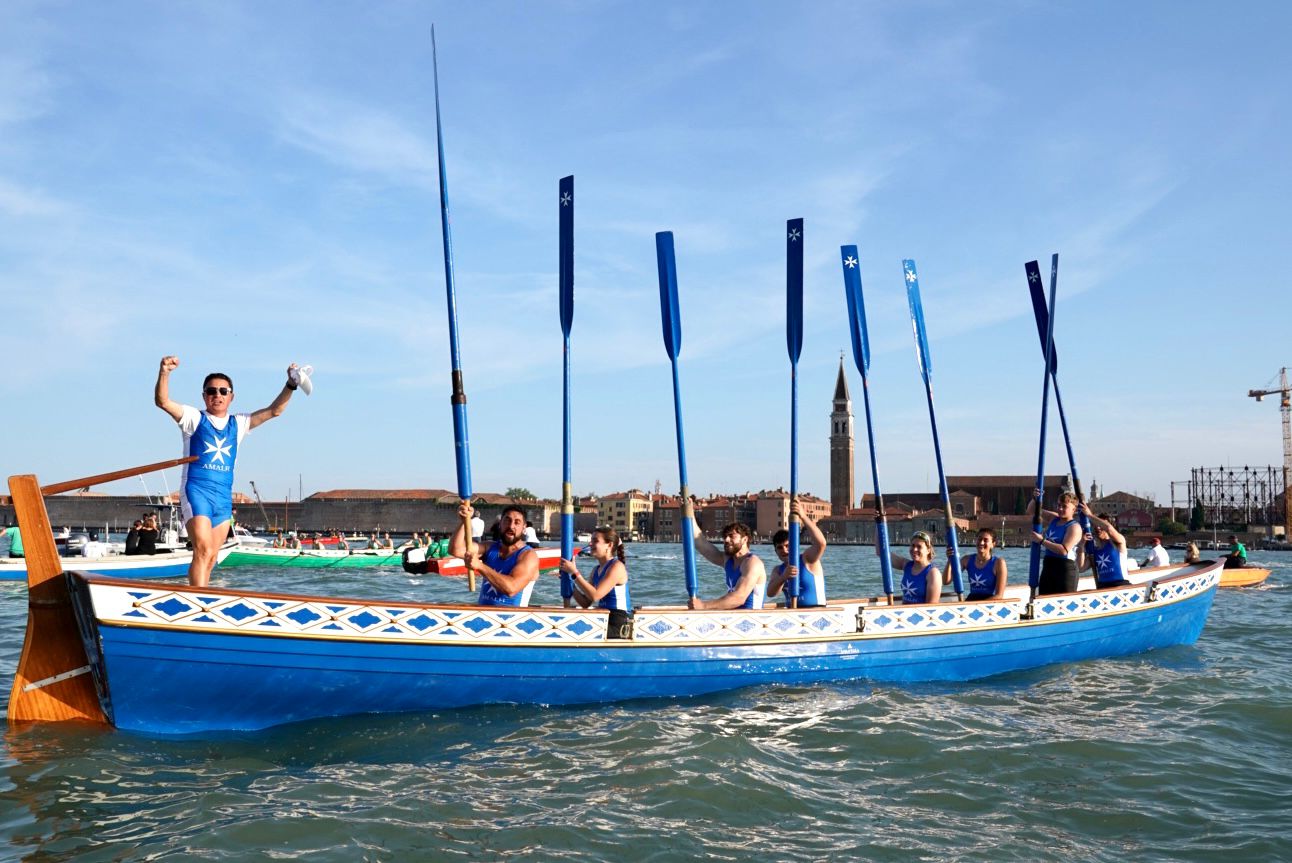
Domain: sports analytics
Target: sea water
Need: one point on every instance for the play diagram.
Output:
(1177, 754)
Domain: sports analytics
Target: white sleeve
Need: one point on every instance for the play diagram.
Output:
(189, 419)
(244, 426)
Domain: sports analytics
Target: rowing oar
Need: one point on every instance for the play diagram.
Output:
(794, 340)
(926, 371)
(461, 444)
(565, 210)
(1034, 563)
(1042, 314)
(670, 317)
(861, 356)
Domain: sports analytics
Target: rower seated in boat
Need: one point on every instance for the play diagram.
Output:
(809, 571)
(1237, 556)
(921, 580)
(987, 573)
(744, 569)
(1109, 550)
(608, 584)
(507, 565)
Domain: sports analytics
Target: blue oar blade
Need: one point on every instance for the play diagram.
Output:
(1040, 311)
(794, 288)
(565, 203)
(856, 307)
(668, 307)
(917, 318)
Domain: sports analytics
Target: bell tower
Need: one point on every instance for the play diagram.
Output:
(841, 454)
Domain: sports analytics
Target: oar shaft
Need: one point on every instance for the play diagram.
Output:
(1038, 549)
(458, 398)
(688, 513)
(794, 343)
(565, 221)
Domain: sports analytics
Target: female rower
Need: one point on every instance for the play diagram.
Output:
(921, 580)
(1058, 567)
(1191, 553)
(1110, 551)
(986, 571)
(608, 584)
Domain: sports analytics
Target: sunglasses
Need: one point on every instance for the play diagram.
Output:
(217, 391)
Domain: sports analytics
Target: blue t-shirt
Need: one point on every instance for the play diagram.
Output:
(915, 585)
(494, 559)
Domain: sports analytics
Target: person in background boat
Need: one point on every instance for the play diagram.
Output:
(417, 540)
(745, 573)
(1058, 566)
(341, 544)
(14, 536)
(213, 435)
(508, 565)
(1110, 550)
(1157, 555)
(387, 543)
(132, 538)
(987, 573)
(436, 548)
(293, 542)
(1237, 556)
(149, 534)
(477, 528)
(811, 587)
(531, 535)
(608, 584)
(921, 580)
(1191, 553)
(94, 547)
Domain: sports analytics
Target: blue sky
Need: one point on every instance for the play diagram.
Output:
(250, 184)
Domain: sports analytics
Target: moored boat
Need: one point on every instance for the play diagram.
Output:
(311, 557)
(173, 564)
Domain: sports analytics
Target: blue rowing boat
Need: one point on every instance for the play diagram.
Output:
(169, 659)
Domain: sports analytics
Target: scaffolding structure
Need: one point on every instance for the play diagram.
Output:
(1234, 496)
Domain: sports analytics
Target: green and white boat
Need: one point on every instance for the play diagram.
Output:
(244, 555)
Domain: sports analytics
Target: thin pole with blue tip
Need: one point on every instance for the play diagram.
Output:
(461, 441)
(670, 317)
(794, 340)
(861, 355)
(565, 210)
(1042, 314)
(926, 371)
(1034, 562)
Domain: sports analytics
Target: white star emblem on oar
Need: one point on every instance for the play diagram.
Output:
(850, 262)
(910, 275)
(1034, 277)
(794, 235)
(565, 199)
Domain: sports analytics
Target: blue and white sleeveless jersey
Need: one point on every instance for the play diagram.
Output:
(617, 598)
(811, 585)
(755, 599)
(1108, 564)
(214, 440)
(982, 582)
(1054, 532)
(494, 559)
(915, 585)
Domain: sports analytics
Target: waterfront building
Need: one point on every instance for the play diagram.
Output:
(842, 467)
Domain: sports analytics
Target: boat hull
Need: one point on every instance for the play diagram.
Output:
(161, 566)
(1245, 576)
(311, 558)
(249, 661)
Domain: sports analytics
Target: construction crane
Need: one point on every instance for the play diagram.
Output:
(1285, 408)
(260, 503)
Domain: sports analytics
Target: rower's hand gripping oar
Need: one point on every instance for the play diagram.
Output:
(565, 209)
(1042, 315)
(669, 315)
(861, 355)
(461, 441)
(794, 341)
(1050, 364)
(926, 371)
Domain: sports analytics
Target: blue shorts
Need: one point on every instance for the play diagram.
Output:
(214, 503)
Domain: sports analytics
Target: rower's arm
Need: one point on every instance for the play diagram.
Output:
(706, 548)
